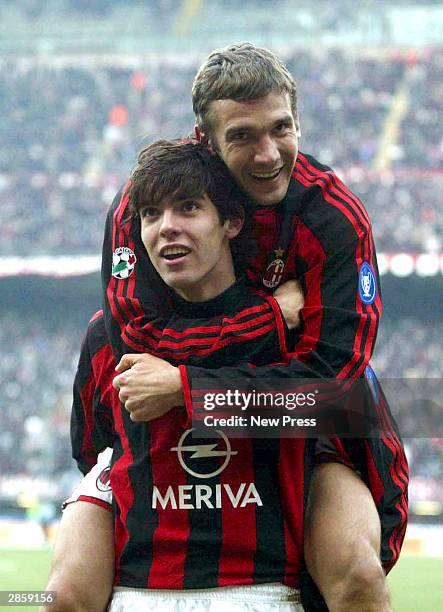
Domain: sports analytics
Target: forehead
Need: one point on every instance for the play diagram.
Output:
(181, 195)
(259, 113)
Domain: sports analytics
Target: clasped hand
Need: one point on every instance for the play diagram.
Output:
(148, 386)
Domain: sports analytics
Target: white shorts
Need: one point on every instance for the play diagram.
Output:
(272, 597)
(95, 486)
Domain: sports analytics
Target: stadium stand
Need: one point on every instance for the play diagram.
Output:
(81, 126)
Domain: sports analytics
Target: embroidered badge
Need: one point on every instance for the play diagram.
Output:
(123, 262)
(274, 271)
(367, 285)
(103, 482)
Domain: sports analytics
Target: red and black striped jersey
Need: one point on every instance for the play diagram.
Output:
(321, 235)
(195, 512)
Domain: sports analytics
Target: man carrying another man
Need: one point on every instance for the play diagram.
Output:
(307, 225)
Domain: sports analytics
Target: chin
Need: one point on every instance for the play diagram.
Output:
(270, 198)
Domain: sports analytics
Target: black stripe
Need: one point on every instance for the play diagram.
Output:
(142, 520)
(103, 429)
(364, 226)
(270, 556)
(361, 216)
(366, 255)
(206, 531)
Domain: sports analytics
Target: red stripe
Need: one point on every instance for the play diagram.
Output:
(397, 467)
(96, 316)
(377, 487)
(307, 182)
(180, 355)
(369, 343)
(334, 182)
(226, 330)
(86, 396)
(99, 362)
(247, 312)
(168, 562)
(165, 348)
(239, 524)
(133, 345)
(313, 253)
(327, 182)
(280, 325)
(291, 470)
(186, 394)
(138, 329)
(121, 486)
(402, 505)
(96, 501)
(358, 337)
(356, 355)
(140, 332)
(222, 330)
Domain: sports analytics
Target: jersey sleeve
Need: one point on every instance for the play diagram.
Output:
(336, 253)
(91, 417)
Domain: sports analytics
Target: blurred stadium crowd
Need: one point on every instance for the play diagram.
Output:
(70, 134)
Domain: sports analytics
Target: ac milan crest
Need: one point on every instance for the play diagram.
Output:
(103, 482)
(274, 272)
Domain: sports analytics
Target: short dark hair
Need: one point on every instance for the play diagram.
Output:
(239, 72)
(186, 169)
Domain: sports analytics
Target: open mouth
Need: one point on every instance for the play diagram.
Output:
(174, 253)
(266, 176)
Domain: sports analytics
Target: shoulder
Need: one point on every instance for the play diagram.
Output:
(326, 205)
(96, 337)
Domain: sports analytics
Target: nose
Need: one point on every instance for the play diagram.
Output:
(170, 223)
(266, 152)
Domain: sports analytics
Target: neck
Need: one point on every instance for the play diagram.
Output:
(209, 288)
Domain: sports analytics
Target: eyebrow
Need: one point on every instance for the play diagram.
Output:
(286, 118)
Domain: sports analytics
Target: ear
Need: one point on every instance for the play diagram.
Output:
(233, 227)
(203, 139)
(297, 127)
(199, 135)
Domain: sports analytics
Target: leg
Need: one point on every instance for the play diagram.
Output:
(342, 542)
(83, 561)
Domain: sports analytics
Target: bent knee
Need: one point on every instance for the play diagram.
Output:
(365, 573)
(361, 585)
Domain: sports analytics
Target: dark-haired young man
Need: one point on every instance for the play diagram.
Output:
(214, 523)
(309, 226)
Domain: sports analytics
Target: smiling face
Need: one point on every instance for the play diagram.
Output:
(258, 141)
(189, 246)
